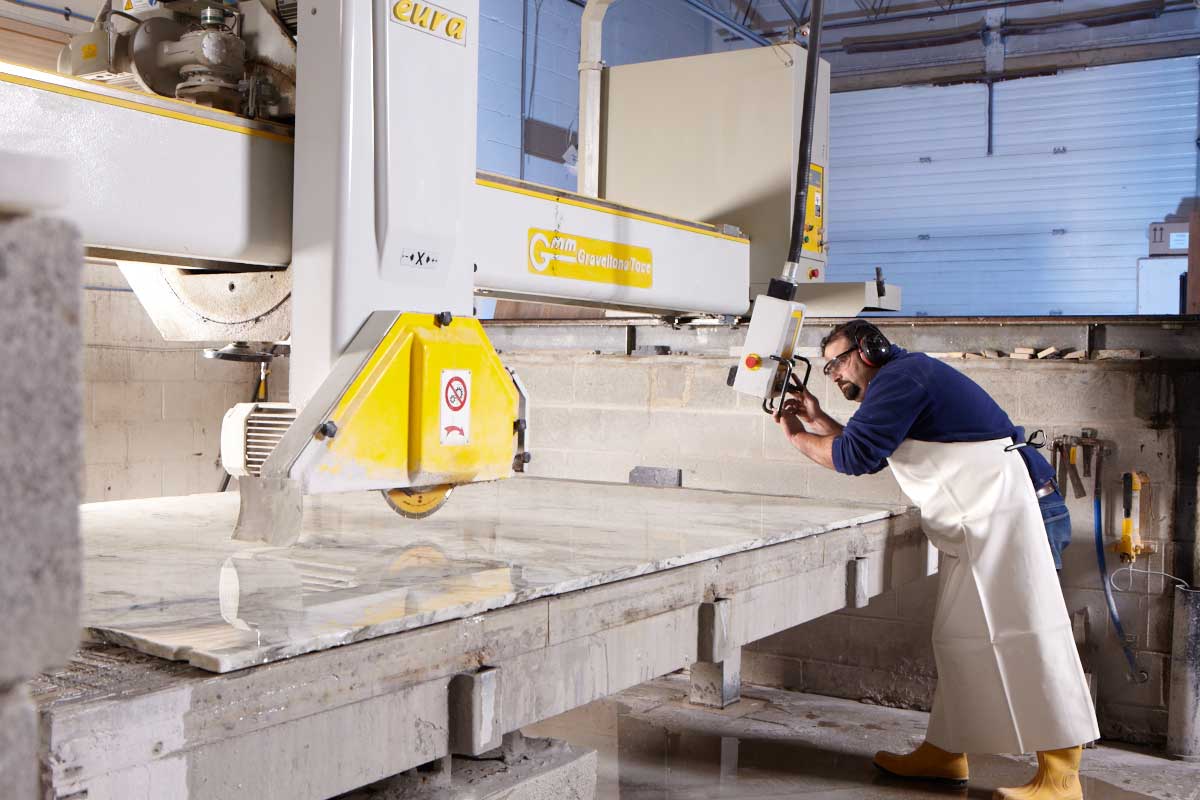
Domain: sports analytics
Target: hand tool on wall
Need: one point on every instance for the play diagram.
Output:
(1072, 471)
(1086, 435)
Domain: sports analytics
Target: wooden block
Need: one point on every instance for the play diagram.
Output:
(1025, 350)
(1076, 355)
(1109, 354)
(1049, 352)
(991, 354)
(1023, 356)
(974, 356)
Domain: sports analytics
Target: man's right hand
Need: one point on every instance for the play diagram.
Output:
(806, 406)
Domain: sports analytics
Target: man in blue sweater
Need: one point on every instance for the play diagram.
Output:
(1009, 677)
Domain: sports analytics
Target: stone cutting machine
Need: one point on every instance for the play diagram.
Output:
(267, 170)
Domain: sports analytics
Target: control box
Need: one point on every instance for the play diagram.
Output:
(770, 341)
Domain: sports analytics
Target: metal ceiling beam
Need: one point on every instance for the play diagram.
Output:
(726, 22)
(790, 10)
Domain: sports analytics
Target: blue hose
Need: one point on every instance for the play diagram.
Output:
(1135, 672)
(65, 11)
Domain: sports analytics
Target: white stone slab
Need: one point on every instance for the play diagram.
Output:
(163, 576)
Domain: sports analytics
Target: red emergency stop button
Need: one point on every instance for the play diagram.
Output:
(753, 361)
(814, 273)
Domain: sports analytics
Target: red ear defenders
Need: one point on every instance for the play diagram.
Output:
(874, 348)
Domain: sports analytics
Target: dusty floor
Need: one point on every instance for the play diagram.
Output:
(778, 744)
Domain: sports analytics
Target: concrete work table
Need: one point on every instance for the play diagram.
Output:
(516, 602)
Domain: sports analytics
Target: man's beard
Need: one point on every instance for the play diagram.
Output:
(850, 391)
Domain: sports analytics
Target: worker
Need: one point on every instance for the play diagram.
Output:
(1009, 676)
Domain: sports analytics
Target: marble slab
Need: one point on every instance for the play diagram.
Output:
(164, 577)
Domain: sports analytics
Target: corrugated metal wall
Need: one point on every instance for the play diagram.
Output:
(1053, 222)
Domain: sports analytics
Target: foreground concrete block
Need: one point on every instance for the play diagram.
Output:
(18, 746)
(40, 260)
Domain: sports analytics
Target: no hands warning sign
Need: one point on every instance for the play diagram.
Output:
(455, 418)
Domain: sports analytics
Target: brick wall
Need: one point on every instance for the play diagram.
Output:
(595, 417)
(151, 409)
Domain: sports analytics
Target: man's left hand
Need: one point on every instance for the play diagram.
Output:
(789, 417)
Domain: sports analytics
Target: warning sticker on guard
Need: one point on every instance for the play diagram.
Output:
(456, 406)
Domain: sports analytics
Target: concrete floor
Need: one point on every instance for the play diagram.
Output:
(779, 744)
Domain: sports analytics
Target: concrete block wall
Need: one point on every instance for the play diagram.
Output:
(634, 30)
(595, 417)
(152, 409)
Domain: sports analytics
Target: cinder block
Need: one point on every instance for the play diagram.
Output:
(707, 389)
(105, 443)
(878, 488)
(549, 382)
(234, 393)
(134, 401)
(130, 324)
(879, 644)
(1159, 618)
(217, 370)
(669, 381)
(753, 475)
(769, 669)
(702, 435)
(550, 428)
(162, 365)
(105, 364)
(623, 382)
(18, 745)
(614, 430)
(161, 440)
(1006, 383)
(176, 477)
(776, 445)
(145, 480)
(192, 400)
(917, 601)
(206, 440)
(40, 260)
(1093, 393)
(1132, 723)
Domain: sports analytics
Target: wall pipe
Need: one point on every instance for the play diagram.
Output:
(591, 73)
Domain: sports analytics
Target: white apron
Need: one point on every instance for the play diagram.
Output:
(1009, 677)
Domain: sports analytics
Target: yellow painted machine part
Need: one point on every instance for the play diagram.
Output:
(389, 419)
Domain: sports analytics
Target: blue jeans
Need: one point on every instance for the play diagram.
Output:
(1058, 524)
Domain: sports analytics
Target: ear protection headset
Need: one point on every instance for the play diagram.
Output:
(873, 347)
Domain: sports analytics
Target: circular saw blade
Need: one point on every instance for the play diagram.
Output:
(418, 502)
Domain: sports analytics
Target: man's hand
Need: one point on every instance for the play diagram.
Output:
(792, 415)
(807, 407)
(810, 429)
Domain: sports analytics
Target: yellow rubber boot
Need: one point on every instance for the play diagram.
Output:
(1057, 778)
(926, 763)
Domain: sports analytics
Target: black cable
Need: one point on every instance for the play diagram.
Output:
(807, 120)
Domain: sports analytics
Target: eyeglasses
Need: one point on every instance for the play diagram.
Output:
(834, 362)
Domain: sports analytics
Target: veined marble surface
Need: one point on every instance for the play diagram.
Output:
(163, 576)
